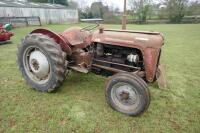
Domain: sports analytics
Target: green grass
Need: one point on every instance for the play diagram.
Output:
(79, 105)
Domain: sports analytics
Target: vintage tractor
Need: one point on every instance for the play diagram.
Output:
(129, 58)
(5, 35)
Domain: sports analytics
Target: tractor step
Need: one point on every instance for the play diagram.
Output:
(79, 69)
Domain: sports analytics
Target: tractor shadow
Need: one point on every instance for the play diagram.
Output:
(6, 43)
(81, 82)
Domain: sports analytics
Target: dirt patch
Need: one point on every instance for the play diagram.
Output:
(1, 131)
(12, 123)
(175, 125)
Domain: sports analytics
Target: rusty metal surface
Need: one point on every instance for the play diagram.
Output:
(108, 62)
(58, 39)
(108, 68)
(134, 31)
(76, 37)
(82, 58)
(127, 38)
(149, 43)
(150, 62)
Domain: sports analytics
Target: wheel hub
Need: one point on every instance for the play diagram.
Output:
(125, 94)
(35, 64)
(39, 64)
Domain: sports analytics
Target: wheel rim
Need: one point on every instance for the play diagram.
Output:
(125, 96)
(36, 65)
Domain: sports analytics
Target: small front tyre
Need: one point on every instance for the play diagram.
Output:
(128, 94)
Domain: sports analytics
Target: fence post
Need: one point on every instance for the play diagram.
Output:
(26, 21)
(39, 21)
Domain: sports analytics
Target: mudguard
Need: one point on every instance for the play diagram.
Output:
(57, 37)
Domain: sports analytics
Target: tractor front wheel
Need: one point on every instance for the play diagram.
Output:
(127, 93)
(42, 62)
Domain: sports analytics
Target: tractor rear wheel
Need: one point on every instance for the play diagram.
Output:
(42, 62)
(127, 93)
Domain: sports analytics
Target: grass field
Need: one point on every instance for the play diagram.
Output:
(79, 105)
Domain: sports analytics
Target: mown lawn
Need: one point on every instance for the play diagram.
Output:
(79, 105)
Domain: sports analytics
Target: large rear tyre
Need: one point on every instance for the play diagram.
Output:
(42, 62)
(127, 93)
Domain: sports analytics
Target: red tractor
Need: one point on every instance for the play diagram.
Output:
(129, 58)
(4, 35)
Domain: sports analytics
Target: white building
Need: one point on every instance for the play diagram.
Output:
(48, 13)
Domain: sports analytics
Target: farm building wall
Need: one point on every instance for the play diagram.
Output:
(47, 15)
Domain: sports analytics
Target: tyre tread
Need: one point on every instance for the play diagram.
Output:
(55, 53)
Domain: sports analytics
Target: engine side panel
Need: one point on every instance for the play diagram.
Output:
(149, 43)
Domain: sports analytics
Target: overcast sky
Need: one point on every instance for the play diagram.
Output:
(114, 3)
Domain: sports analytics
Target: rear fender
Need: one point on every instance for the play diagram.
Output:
(58, 39)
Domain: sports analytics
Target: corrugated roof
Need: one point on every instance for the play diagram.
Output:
(9, 3)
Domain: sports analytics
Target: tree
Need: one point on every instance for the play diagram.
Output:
(96, 9)
(62, 2)
(41, 1)
(193, 8)
(99, 10)
(176, 10)
(162, 13)
(85, 13)
(73, 4)
(116, 10)
(140, 8)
